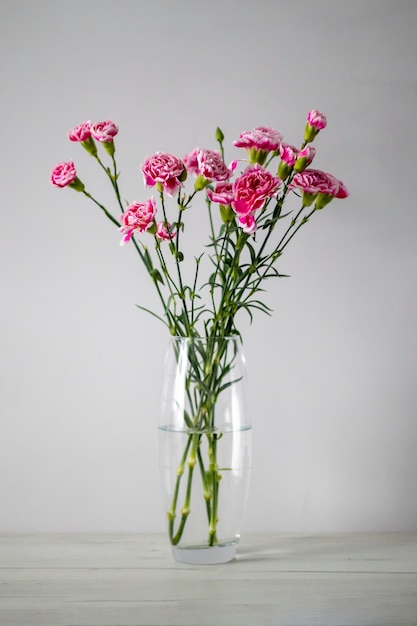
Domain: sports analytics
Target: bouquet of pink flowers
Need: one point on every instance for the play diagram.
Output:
(243, 240)
(248, 232)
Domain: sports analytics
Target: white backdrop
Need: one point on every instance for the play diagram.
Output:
(332, 372)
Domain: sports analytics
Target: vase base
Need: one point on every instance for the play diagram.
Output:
(205, 555)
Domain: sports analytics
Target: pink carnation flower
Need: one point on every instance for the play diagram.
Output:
(222, 193)
(342, 192)
(315, 181)
(260, 138)
(305, 157)
(163, 231)
(137, 217)
(308, 153)
(207, 163)
(248, 223)
(104, 131)
(82, 132)
(316, 119)
(288, 153)
(191, 161)
(212, 166)
(166, 169)
(63, 174)
(253, 188)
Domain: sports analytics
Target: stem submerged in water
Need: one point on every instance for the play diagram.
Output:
(208, 367)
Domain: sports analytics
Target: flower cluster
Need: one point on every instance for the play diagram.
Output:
(249, 203)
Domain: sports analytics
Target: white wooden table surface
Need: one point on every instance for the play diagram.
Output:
(125, 580)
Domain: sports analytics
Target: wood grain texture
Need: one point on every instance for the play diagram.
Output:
(125, 580)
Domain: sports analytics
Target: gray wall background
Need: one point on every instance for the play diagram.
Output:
(332, 373)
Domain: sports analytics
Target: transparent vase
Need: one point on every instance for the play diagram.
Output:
(204, 447)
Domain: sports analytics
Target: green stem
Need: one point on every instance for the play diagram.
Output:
(181, 290)
(215, 478)
(303, 221)
(193, 293)
(185, 511)
(207, 492)
(277, 252)
(115, 184)
(180, 472)
(103, 208)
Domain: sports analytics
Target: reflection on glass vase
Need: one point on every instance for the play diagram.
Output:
(204, 447)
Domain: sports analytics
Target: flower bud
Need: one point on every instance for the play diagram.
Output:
(305, 157)
(284, 170)
(226, 213)
(219, 135)
(316, 121)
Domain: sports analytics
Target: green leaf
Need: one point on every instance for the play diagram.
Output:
(156, 276)
(229, 384)
(152, 313)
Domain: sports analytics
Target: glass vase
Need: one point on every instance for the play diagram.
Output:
(204, 447)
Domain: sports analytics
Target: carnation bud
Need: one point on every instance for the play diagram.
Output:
(219, 135)
(226, 213)
(300, 164)
(305, 157)
(284, 170)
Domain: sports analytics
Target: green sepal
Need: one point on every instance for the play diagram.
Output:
(183, 176)
(310, 133)
(77, 185)
(90, 146)
(200, 183)
(308, 198)
(109, 147)
(322, 200)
